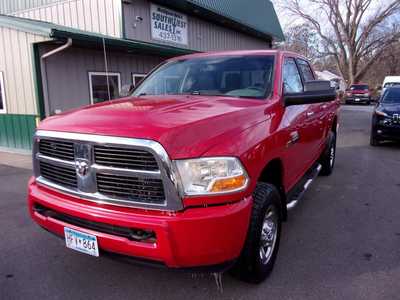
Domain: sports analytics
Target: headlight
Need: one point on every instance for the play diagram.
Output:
(216, 175)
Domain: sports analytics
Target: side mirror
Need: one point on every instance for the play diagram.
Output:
(316, 91)
(126, 90)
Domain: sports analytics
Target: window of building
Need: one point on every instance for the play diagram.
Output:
(137, 78)
(2, 95)
(291, 77)
(99, 89)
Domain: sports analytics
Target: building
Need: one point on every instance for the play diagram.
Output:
(58, 55)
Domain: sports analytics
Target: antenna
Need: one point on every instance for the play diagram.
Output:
(106, 66)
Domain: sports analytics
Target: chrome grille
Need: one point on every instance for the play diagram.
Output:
(133, 188)
(58, 174)
(125, 158)
(104, 169)
(57, 149)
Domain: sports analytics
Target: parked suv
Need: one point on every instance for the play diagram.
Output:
(386, 118)
(357, 94)
(197, 169)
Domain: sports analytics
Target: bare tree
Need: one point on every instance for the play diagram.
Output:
(353, 32)
(302, 39)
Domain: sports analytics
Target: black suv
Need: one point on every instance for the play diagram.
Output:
(386, 118)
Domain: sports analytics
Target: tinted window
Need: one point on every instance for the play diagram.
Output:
(392, 95)
(235, 76)
(359, 87)
(305, 70)
(291, 77)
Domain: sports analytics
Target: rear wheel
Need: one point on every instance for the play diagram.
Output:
(262, 243)
(329, 157)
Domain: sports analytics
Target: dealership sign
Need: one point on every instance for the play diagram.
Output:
(168, 25)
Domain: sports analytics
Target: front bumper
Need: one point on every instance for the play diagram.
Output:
(357, 99)
(388, 132)
(195, 237)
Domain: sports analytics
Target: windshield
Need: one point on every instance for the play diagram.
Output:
(390, 84)
(392, 95)
(232, 76)
(359, 87)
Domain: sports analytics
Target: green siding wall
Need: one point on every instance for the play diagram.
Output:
(16, 131)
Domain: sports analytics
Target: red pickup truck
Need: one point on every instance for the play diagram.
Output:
(196, 170)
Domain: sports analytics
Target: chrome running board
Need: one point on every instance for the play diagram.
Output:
(311, 177)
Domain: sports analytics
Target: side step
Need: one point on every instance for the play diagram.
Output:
(299, 192)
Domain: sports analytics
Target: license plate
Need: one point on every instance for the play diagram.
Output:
(357, 99)
(82, 242)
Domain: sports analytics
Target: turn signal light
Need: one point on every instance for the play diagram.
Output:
(229, 184)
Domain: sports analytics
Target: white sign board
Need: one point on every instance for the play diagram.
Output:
(168, 25)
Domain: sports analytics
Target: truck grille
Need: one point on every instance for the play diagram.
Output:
(60, 175)
(117, 157)
(133, 188)
(57, 149)
(104, 169)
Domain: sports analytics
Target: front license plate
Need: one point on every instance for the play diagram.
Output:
(82, 242)
(357, 99)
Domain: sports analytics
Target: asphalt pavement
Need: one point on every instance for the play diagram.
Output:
(341, 242)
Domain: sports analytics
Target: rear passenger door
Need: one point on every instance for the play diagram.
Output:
(295, 123)
(315, 112)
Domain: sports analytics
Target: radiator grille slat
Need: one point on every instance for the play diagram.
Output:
(57, 149)
(132, 188)
(60, 175)
(125, 158)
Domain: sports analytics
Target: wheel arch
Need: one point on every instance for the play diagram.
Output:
(273, 173)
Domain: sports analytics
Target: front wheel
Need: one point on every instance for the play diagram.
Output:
(262, 243)
(374, 141)
(329, 157)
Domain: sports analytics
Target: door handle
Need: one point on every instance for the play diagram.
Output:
(294, 138)
(325, 106)
(310, 114)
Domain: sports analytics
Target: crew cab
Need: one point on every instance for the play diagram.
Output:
(358, 94)
(197, 169)
(386, 117)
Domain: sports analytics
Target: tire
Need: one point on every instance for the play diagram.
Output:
(374, 141)
(257, 260)
(369, 103)
(328, 159)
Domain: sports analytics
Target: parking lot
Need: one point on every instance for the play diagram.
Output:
(341, 242)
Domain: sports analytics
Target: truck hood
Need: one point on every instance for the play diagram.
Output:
(187, 126)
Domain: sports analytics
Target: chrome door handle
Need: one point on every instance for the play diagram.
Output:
(294, 138)
(310, 114)
(324, 106)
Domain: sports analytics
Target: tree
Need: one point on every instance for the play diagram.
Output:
(302, 39)
(353, 32)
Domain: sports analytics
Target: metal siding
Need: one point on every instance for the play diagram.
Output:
(100, 16)
(17, 131)
(16, 63)
(10, 6)
(67, 73)
(202, 35)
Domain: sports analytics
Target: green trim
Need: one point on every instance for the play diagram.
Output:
(38, 81)
(17, 131)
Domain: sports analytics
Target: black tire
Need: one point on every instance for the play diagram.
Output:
(250, 266)
(369, 103)
(328, 158)
(374, 141)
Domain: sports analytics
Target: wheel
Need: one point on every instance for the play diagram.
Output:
(262, 242)
(328, 158)
(369, 103)
(374, 140)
